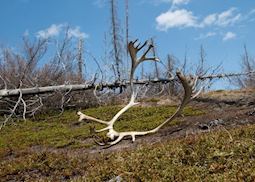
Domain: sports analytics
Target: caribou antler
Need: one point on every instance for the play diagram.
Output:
(133, 50)
(188, 83)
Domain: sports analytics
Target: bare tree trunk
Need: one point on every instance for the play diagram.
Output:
(127, 31)
(156, 71)
(115, 39)
(142, 72)
(170, 70)
(248, 65)
(80, 58)
(184, 66)
(127, 39)
(200, 69)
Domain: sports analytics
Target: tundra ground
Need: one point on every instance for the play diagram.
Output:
(214, 140)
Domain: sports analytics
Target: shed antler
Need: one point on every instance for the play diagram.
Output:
(188, 83)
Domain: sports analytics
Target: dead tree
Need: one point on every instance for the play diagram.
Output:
(156, 69)
(248, 65)
(170, 70)
(117, 50)
(200, 71)
(127, 26)
(80, 58)
(188, 83)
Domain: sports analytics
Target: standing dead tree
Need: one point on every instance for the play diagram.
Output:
(201, 65)
(127, 26)
(188, 83)
(248, 65)
(172, 88)
(80, 58)
(156, 69)
(116, 41)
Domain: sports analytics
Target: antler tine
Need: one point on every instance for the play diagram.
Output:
(93, 132)
(144, 58)
(137, 46)
(103, 143)
(99, 143)
(84, 116)
(108, 144)
(134, 41)
(115, 141)
(144, 44)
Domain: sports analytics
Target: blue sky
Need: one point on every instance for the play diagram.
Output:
(178, 26)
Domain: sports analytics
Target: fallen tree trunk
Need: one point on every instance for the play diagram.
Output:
(76, 87)
(89, 86)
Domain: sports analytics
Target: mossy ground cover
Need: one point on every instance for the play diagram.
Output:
(211, 156)
(65, 130)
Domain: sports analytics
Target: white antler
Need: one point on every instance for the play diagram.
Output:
(133, 50)
(188, 83)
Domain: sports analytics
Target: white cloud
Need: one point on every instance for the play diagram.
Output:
(52, 31)
(75, 32)
(204, 36)
(174, 2)
(209, 20)
(179, 2)
(229, 36)
(176, 18)
(226, 18)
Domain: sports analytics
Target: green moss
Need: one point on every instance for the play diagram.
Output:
(140, 118)
(61, 131)
(55, 132)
